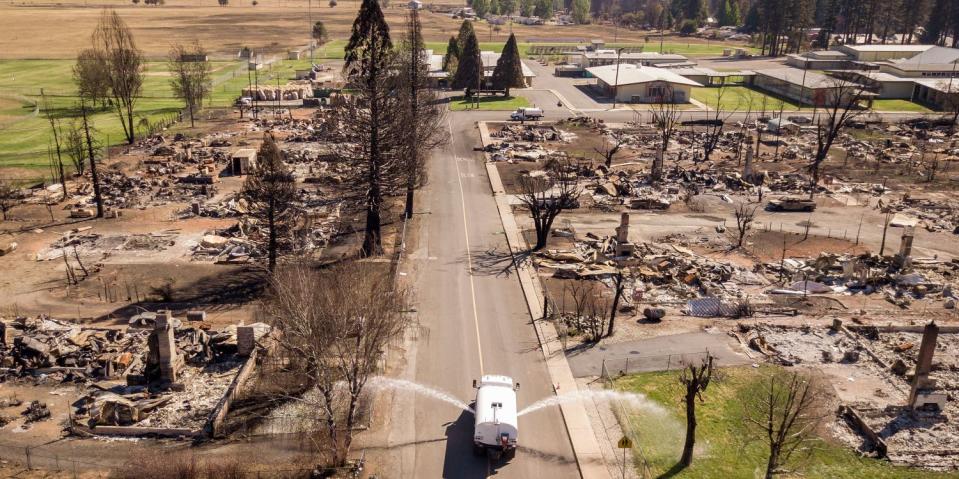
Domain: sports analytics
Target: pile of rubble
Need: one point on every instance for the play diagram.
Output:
(900, 279)
(55, 349)
(154, 373)
(661, 273)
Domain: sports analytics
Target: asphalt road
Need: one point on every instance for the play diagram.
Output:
(474, 320)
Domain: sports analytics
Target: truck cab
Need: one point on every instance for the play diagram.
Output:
(524, 114)
(495, 429)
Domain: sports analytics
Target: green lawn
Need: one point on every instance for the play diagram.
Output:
(24, 139)
(739, 98)
(722, 447)
(899, 105)
(508, 103)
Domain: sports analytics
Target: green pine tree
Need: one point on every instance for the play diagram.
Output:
(526, 8)
(451, 59)
(370, 47)
(481, 8)
(581, 11)
(470, 67)
(509, 68)
(494, 7)
(466, 29)
(543, 9)
(507, 7)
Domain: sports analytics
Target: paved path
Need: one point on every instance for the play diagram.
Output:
(656, 354)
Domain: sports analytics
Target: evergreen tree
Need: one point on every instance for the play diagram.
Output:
(370, 68)
(729, 14)
(507, 7)
(938, 23)
(526, 8)
(451, 59)
(494, 8)
(270, 191)
(751, 22)
(466, 30)
(543, 9)
(581, 11)
(470, 69)
(481, 8)
(509, 68)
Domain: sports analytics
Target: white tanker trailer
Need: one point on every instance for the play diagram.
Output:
(495, 431)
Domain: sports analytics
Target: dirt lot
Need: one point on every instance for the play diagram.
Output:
(271, 27)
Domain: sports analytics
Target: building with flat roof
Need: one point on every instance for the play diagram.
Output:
(940, 93)
(582, 60)
(803, 86)
(877, 53)
(641, 84)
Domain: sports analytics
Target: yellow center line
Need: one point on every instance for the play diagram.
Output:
(469, 255)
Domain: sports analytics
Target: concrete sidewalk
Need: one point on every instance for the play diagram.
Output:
(589, 457)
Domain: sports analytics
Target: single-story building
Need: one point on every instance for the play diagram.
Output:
(884, 85)
(242, 161)
(415, 5)
(804, 86)
(877, 53)
(710, 77)
(588, 59)
(935, 62)
(821, 60)
(640, 84)
(940, 93)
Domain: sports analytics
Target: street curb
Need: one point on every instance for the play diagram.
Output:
(589, 457)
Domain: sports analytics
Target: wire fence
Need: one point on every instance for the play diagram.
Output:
(39, 457)
(613, 368)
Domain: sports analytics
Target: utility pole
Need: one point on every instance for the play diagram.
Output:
(309, 14)
(619, 52)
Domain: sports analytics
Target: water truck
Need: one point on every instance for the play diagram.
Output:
(495, 430)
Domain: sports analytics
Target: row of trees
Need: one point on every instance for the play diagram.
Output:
(579, 9)
(463, 58)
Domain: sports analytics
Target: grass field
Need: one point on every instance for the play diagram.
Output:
(509, 103)
(739, 97)
(24, 138)
(899, 105)
(721, 435)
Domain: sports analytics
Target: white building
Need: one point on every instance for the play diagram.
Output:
(640, 84)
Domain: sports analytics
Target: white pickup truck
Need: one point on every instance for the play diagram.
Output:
(526, 114)
(495, 431)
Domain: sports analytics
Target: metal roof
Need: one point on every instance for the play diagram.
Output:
(634, 74)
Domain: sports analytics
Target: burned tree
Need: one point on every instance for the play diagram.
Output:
(546, 196)
(422, 114)
(665, 116)
(115, 55)
(589, 309)
(92, 148)
(73, 143)
(8, 197)
(335, 324)
(715, 123)
(695, 380)
(611, 146)
(271, 190)
(783, 409)
(56, 160)
(744, 221)
(190, 76)
(370, 68)
(840, 107)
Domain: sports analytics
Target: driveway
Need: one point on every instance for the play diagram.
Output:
(656, 354)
